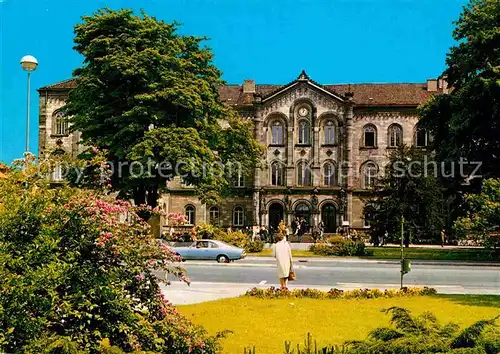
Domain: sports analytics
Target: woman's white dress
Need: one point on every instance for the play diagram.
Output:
(283, 254)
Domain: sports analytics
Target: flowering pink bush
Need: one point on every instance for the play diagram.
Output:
(176, 219)
(76, 272)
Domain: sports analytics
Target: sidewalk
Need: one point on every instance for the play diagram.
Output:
(305, 246)
(260, 260)
(182, 294)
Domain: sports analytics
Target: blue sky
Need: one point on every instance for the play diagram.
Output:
(270, 41)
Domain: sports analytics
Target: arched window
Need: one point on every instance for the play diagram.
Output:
(303, 174)
(329, 129)
(329, 174)
(60, 124)
(214, 215)
(421, 137)
(277, 133)
(238, 216)
(304, 132)
(369, 136)
(57, 175)
(277, 174)
(395, 135)
(240, 179)
(369, 174)
(190, 213)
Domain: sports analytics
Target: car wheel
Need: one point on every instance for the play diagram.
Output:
(222, 259)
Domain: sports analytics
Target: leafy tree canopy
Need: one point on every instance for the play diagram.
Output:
(466, 122)
(482, 219)
(408, 187)
(145, 93)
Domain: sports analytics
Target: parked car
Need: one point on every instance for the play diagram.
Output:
(210, 250)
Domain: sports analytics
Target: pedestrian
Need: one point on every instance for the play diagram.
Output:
(443, 237)
(283, 254)
(385, 236)
(263, 234)
(294, 226)
(321, 228)
(271, 234)
(301, 230)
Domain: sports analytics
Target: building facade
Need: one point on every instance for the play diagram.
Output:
(325, 146)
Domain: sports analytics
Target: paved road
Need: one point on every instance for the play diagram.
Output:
(212, 281)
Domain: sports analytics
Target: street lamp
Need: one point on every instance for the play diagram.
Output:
(29, 64)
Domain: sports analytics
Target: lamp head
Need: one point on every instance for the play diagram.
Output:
(29, 63)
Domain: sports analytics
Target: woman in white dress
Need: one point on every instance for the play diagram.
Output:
(283, 254)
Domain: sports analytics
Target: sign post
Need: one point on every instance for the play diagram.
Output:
(405, 263)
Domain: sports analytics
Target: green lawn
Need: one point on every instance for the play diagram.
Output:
(266, 324)
(458, 254)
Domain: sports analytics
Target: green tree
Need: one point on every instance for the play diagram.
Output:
(465, 123)
(482, 219)
(147, 94)
(408, 187)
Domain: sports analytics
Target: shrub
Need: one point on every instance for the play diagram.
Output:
(338, 246)
(424, 334)
(76, 273)
(274, 293)
(206, 231)
(254, 246)
(235, 238)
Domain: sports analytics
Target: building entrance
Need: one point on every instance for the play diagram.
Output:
(329, 218)
(275, 216)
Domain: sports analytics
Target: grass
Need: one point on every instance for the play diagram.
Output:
(266, 324)
(441, 254)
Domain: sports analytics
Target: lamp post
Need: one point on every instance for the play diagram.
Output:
(29, 64)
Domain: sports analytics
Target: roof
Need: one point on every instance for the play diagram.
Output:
(376, 94)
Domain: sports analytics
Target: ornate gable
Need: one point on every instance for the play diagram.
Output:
(303, 88)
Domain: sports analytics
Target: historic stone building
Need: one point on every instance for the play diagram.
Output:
(326, 144)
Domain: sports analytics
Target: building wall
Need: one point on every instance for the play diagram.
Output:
(48, 140)
(258, 194)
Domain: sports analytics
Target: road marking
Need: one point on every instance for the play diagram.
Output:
(263, 282)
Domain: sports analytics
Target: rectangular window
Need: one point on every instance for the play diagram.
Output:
(240, 180)
(369, 139)
(329, 135)
(421, 138)
(277, 174)
(57, 174)
(277, 134)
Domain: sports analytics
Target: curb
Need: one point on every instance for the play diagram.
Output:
(270, 263)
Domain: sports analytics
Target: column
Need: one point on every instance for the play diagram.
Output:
(349, 158)
(290, 150)
(316, 144)
(259, 136)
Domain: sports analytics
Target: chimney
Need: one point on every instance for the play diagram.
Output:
(249, 86)
(443, 84)
(432, 85)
